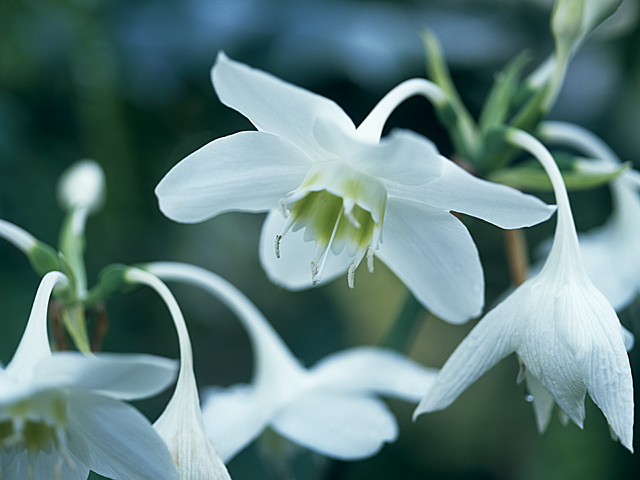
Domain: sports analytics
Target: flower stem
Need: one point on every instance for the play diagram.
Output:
(517, 257)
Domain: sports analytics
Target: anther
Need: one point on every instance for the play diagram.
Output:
(370, 259)
(351, 275)
(314, 273)
(278, 238)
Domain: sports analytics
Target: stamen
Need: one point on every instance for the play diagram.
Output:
(348, 205)
(283, 208)
(370, 260)
(351, 275)
(278, 238)
(315, 278)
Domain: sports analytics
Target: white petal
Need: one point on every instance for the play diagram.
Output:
(610, 252)
(492, 339)
(293, 269)
(432, 252)
(234, 417)
(115, 440)
(275, 106)
(628, 338)
(373, 370)
(34, 345)
(542, 400)
(248, 171)
(182, 429)
(47, 465)
(458, 191)
(403, 156)
(606, 372)
(340, 426)
(117, 375)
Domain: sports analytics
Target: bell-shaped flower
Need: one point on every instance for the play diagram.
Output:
(181, 425)
(611, 252)
(331, 190)
(332, 408)
(566, 335)
(62, 414)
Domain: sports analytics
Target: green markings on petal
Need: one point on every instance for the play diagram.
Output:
(339, 208)
(36, 423)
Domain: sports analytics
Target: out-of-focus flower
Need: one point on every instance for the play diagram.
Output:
(61, 414)
(565, 333)
(180, 425)
(82, 186)
(325, 181)
(571, 22)
(332, 408)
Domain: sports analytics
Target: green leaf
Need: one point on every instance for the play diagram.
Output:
(500, 99)
(455, 116)
(530, 176)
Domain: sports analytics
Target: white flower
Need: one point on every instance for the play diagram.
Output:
(180, 425)
(332, 408)
(322, 179)
(61, 414)
(610, 252)
(566, 335)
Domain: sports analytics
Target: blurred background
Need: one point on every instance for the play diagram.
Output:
(127, 84)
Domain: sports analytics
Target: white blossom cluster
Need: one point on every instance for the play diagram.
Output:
(336, 195)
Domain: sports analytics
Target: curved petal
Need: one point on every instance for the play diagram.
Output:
(234, 417)
(34, 344)
(275, 106)
(115, 440)
(492, 339)
(116, 375)
(341, 426)
(293, 269)
(599, 351)
(458, 191)
(373, 370)
(403, 156)
(248, 171)
(432, 252)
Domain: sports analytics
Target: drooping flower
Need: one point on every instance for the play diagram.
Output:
(566, 335)
(611, 253)
(62, 414)
(181, 425)
(325, 181)
(332, 408)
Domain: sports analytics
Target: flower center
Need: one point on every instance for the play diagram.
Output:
(36, 424)
(339, 208)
